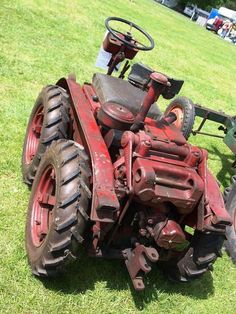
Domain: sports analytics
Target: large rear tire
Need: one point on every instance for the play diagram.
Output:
(198, 258)
(184, 110)
(230, 204)
(58, 208)
(49, 121)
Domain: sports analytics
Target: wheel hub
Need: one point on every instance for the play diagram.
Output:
(178, 111)
(34, 135)
(44, 201)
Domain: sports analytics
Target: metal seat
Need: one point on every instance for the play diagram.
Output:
(112, 89)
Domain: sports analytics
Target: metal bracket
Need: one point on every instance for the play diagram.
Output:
(138, 263)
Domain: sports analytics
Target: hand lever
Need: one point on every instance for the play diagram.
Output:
(158, 83)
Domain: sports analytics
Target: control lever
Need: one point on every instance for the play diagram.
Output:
(158, 83)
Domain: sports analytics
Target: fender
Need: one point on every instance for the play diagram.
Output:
(213, 215)
(105, 204)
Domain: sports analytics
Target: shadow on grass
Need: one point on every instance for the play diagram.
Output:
(197, 289)
(87, 273)
(226, 165)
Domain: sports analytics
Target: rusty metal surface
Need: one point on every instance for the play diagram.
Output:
(151, 173)
(115, 116)
(138, 262)
(158, 182)
(104, 200)
(157, 86)
(168, 235)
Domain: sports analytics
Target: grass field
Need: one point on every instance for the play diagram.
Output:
(41, 41)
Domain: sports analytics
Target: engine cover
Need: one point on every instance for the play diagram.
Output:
(164, 169)
(158, 181)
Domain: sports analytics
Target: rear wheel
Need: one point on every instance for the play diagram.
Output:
(184, 110)
(58, 208)
(197, 259)
(230, 203)
(49, 121)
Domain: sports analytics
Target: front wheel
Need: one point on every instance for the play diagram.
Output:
(184, 110)
(58, 208)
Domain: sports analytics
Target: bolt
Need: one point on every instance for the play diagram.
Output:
(95, 98)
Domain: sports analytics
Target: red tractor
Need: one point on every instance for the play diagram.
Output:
(108, 170)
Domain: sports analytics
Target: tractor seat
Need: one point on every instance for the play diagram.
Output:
(115, 90)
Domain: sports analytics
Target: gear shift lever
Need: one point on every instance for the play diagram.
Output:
(158, 83)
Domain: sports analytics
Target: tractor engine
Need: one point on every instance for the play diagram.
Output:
(161, 174)
(168, 181)
(161, 182)
(157, 172)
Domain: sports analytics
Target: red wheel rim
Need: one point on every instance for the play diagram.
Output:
(178, 110)
(43, 204)
(34, 134)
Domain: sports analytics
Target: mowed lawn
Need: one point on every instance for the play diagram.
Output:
(41, 41)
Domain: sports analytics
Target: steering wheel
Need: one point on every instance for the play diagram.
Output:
(127, 38)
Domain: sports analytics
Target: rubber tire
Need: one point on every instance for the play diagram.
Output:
(197, 260)
(55, 101)
(70, 214)
(188, 113)
(230, 204)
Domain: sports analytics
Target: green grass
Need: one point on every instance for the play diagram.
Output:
(42, 41)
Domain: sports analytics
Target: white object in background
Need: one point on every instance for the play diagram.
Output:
(201, 21)
(190, 10)
(211, 21)
(219, 31)
(230, 14)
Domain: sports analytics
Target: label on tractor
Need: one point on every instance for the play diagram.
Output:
(104, 57)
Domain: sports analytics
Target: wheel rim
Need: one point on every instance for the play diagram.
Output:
(34, 134)
(178, 111)
(43, 204)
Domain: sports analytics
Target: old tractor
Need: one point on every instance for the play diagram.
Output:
(108, 170)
